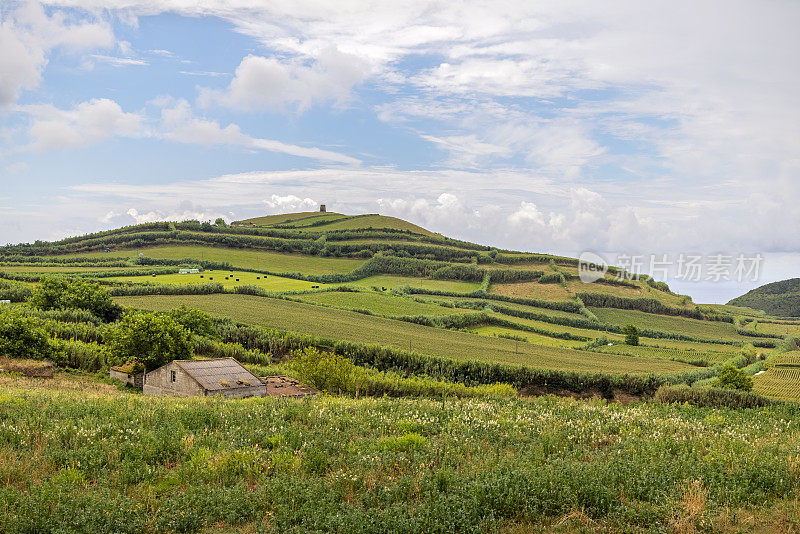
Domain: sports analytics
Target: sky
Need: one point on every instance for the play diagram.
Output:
(620, 127)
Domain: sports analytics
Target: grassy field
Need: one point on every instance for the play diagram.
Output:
(339, 324)
(228, 278)
(666, 323)
(498, 331)
(247, 259)
(585, 332)
(500, 303)
(289, 218)
(81, 456)
(390, 281)
(377, 303)
(667, 353)
(772, 328)
(58, 269)
(373, 221)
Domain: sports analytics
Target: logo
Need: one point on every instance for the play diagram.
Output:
(591, 267)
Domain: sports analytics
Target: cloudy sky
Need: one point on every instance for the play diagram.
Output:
(558, 126)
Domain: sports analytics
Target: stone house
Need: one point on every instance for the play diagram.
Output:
(200, 378)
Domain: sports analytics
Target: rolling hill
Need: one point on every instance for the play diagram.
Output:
(778, 298)
(372, 280)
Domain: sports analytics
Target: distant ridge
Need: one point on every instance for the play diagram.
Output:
(778, 298)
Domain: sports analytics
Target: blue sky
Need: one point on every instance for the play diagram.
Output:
(619, 127)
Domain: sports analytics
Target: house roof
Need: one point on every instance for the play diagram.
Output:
(219, 374)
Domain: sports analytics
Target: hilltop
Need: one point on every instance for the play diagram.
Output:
(777, 298)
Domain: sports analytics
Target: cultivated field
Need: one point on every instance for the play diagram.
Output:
(345, 325)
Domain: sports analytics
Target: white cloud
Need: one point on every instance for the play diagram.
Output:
(87, 123)
(289, 203)
(27, 35)
(179, 124)
(269, 83)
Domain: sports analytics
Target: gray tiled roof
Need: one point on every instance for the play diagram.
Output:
(213, 374)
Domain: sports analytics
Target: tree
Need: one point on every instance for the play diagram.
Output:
(195, 321)
(60, 293)
(631, 335)
(220, 222)
(732, 378)
(23, 337)
(152, 339)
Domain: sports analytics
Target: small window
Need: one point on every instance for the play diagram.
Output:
(172, 375)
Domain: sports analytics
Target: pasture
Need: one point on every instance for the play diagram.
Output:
(228, 278)
(247, 259)
(665, 323)
(351, 326)
(390, 281)
(377, 303)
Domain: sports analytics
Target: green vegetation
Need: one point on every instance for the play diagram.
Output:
(227, 278)
(111, 461)
(335, 373)
(60, 293)
(350, 326)
(375, 303)
(711, 397)
(732, 378)
(22, 337)
(631, 335)
(149, 339)
(778, 298)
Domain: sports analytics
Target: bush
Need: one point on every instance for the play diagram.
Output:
(62, 293)
(631, 335)
(195, 321)
(23, 337)
(150, 339)
(711, 397)
(328, 372)
(732, 378)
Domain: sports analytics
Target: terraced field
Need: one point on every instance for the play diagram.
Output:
(390, 281)
(499, 331)
(345, 325)
(667, 323)
(667, 353)
(228, 279)
(248, 259)
(781, 379)
(377, 303)
(503, 304)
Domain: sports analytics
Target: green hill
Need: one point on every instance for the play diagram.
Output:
(778, 298)
(446, 307)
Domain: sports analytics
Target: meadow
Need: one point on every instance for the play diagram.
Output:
(130, 463)
(228, 278)
(377, 303)
(716, 330)
(247, 259)
(351, 326)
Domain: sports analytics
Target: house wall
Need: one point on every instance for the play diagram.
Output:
(134, 380)
(159, 382)
(252, 391)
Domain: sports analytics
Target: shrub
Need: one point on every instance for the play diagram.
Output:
(328, 372)
(23, 337)
(631, 335)
(195, 321)
(732, 378)
(150, 339)
(711, 397)
(62, 293)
